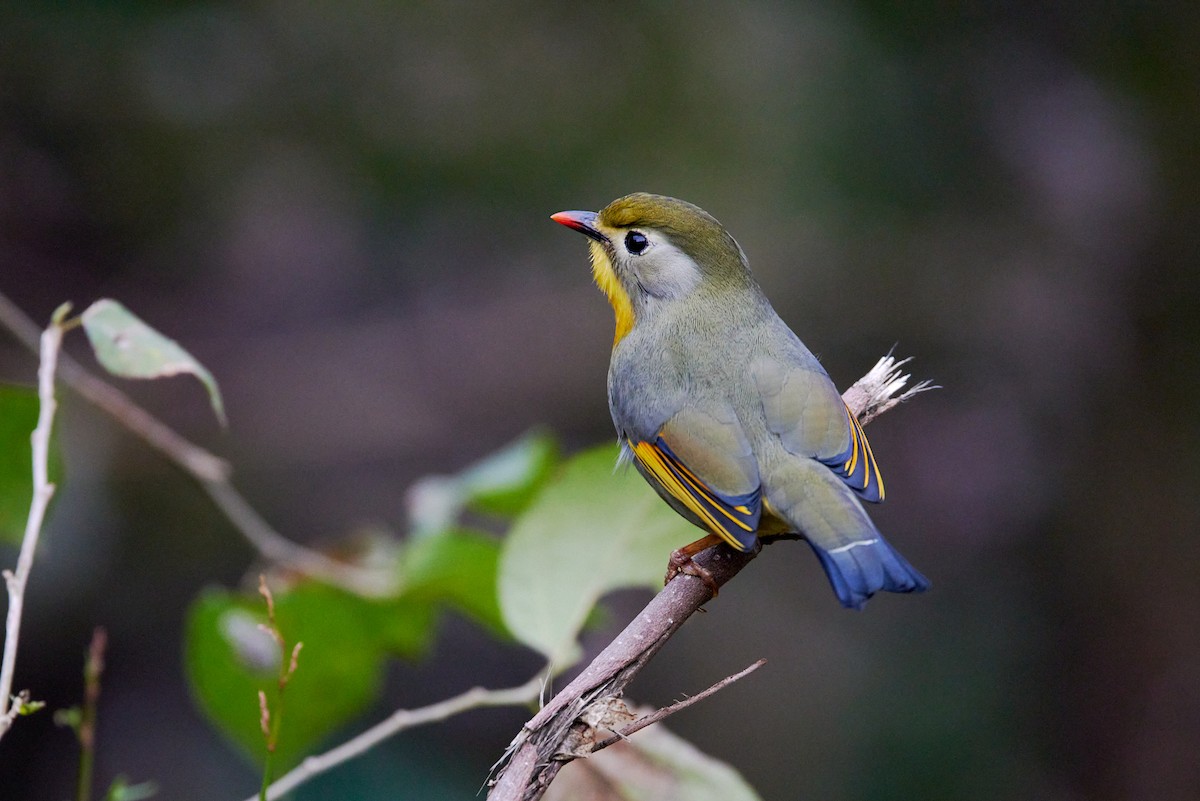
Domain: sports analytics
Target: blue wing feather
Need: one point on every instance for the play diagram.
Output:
(856, 464)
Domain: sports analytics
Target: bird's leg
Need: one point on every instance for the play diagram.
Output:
(681, 562)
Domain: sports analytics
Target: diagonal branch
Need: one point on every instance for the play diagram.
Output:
(667, 711)
(535, 756)
(401, 719)
(212, 472)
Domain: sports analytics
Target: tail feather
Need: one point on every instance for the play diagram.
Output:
(857, 559)
(860, 569)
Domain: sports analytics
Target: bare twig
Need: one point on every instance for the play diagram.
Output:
(279, 549)
(50, 343)
(212, 472)
(535, 755)
(400, 720)
(881, 389)
(667, 711)
(93, 669)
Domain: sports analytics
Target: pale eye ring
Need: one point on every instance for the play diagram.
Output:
(636, 242)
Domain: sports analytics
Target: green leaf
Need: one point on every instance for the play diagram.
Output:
(122, 790)
(652, 765)
(458, 568)
(590, 531)
(347, 639)
(18, 417)
(500, 484)
(127, 347)
(229, 659)
(69, 718)
(505, 482)
(30, 707)
(405, 627)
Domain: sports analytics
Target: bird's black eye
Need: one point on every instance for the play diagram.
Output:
(636, 242)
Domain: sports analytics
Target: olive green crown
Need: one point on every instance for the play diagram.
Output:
(690, 227)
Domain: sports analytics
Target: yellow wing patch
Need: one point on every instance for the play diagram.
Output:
(733, 518)
(856, 465)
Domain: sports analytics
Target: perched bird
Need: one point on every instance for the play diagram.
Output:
(721, 407)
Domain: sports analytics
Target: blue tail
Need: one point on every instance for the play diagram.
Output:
(859, 569)
(815, 502)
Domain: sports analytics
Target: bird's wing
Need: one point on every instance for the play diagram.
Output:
(856, 463)
(804, 409)
(704, 463)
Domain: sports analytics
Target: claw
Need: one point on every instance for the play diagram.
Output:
(681, 562)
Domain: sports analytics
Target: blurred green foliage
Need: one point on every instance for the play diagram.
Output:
(533, 584)
(230, 659)
(530, 585)
(501, 484)
(346, 638)
(18, 418)
(456, 567)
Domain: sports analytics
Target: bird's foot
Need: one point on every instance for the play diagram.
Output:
(681, 562)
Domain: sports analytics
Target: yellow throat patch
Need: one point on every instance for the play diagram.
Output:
(606, 278)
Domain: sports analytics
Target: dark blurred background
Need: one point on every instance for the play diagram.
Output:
(341, 209)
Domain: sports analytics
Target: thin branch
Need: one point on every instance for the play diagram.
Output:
(535, 755)
(212, 472)
(398, 721)
(666, 711)
(50, 343)
(93, 669)
(277, 548)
